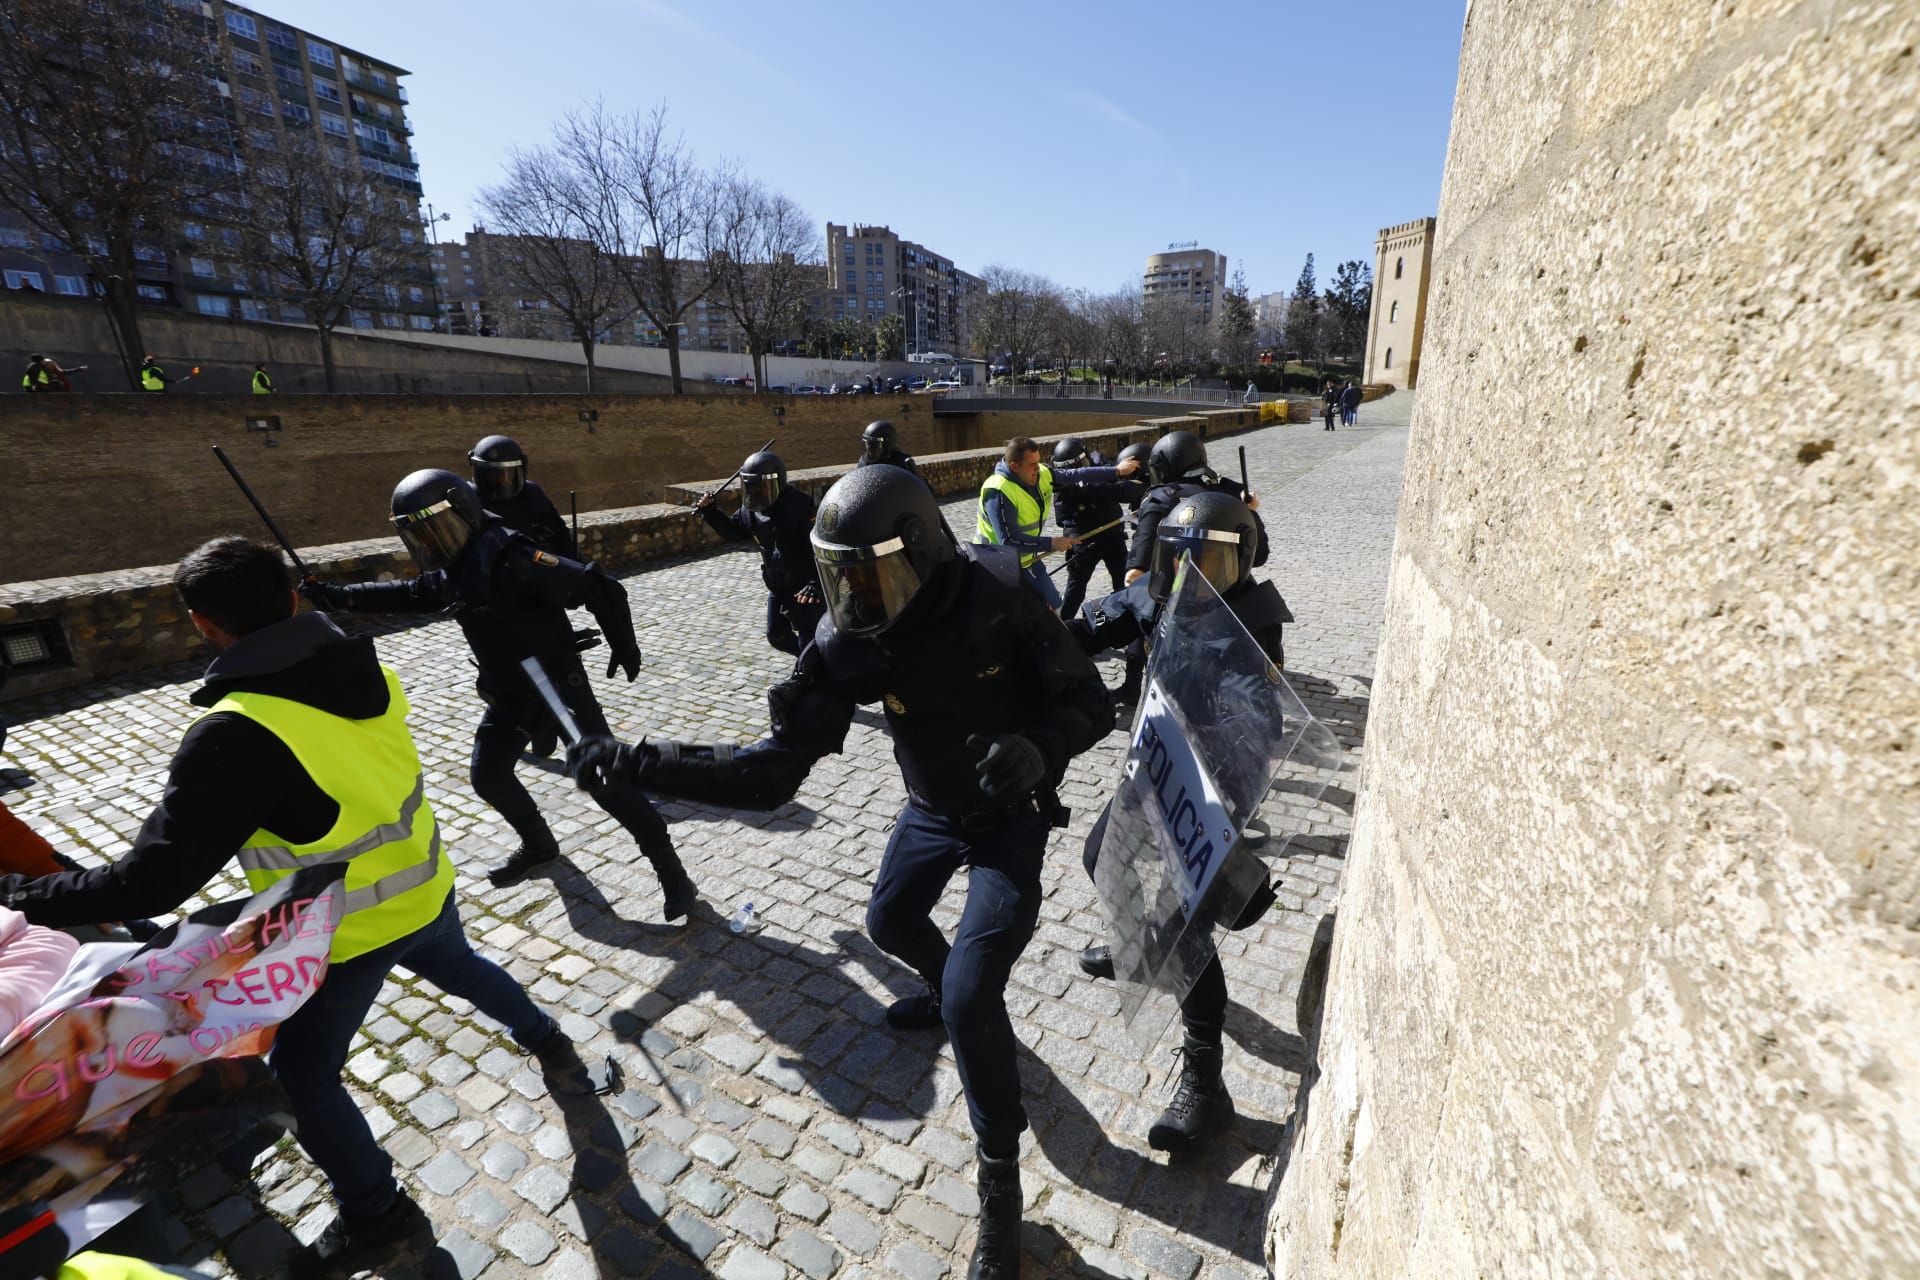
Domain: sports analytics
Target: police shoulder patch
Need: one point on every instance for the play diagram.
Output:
(546, 559)
(894, 705)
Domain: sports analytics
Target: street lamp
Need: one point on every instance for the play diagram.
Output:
(905, 292)
(439, 304)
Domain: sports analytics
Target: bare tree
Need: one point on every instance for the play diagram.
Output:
(668, 209)
(110, 128)
(765, 256)
(1122, 331)
(1176, 333)
(325, 236)
(1015, 315)
(558, 216)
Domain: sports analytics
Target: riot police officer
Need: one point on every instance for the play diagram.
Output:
(500, 475)
(1222, 535)
(776, 518)
(1083, 507)
(987, 698)
(1177, 467)
(880, 442)
(511, 600)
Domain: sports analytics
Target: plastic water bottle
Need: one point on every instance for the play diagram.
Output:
(744, 920)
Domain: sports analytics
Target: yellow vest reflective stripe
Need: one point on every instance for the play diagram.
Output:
(40, 376)
(262, 384)
(397, 877)
(150, 379)
(1031, 512)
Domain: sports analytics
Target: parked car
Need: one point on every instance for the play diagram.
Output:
(934, 388)
(780, 391)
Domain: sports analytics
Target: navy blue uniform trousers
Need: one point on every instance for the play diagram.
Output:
(1003, 906)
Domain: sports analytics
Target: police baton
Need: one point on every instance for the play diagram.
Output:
(722, 486)
(272, 526)
(573, 505)
(1080, 538)
(1246, 490)
(551, 696)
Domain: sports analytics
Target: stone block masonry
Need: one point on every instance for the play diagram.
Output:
(1626, 980)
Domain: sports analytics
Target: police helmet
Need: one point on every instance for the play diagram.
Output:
(436, 513)
(1139, 451)
(1175, 455)
(1070, 453)
(1217, 529)
(878, 540)
(499, 468)
(878, 439)
(762, 477)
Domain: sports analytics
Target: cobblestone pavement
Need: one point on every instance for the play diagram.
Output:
(769, 1124)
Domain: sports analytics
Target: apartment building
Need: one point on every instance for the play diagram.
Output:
(871, 273)
(1187, 273)
(279, 83)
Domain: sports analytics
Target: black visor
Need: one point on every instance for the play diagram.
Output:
(867, 588)
(499, 481)
(874, 447)
(1215, 554)
(759, 492)
(434, 536)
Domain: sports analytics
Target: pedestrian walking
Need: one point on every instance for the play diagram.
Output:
(987, 699)
(1252, 394)
(303, 758)
(1349, 403)
(1330, 402)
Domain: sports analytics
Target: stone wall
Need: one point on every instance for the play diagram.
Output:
(1626, 980)
(128, 620)
(74, 331)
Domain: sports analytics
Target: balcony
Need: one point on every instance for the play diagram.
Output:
(386, 89)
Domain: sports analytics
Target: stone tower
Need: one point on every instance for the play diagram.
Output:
(1402, 262)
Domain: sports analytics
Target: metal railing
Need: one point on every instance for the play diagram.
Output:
(1177, 393)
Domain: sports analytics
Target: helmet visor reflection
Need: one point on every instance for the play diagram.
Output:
(1215, 554)
(867, 588)
(435, 536)
(499, 481)
(759, 492)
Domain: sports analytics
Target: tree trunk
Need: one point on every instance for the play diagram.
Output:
(672, 336)
(586, 345)
(122, 304)
(759, 360)
(325, 331)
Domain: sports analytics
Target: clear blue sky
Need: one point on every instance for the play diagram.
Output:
(1071, 139)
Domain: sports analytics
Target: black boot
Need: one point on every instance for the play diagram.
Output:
(1200, 1102)
(352, 1244)
(1097, 961)
(916, 1013)
(523, 862)
(674, 881)
(996, 1253)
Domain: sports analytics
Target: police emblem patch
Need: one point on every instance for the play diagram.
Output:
(1186, 514)
(896, 706)
(987, 672)
(545, 559)
(829, 517)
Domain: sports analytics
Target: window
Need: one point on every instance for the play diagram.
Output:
(25, 280)
(1393, 312)
(214, 306)
(333, 125)
(15, 238)
(390, 319)
(247, 64)
(72, 286)
(194, 231)
(151, 292)
(420, 322)
(295, 113)
(362, 320)
(202, 267)
(242, 25)
(321, 55)
(325, 91)
(1397, 264)
(284, 38)
(416, 294)
(252, 310)
(1389, 357)
(290, 75)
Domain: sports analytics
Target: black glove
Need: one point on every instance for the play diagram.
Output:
(585, 638)
(328, 596)
(601, 761)
(1009, 765)
(624, 657)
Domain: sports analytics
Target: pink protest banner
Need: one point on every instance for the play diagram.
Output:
(144, 1060)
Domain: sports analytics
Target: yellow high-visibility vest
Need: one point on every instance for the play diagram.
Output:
(1031, 512)
(397, 877)
(262, 384)
(151, 379)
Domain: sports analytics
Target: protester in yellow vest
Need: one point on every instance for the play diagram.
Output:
(113, 1266)
(262, 381)
(1016, 502)
(304, 758)
(152, 376)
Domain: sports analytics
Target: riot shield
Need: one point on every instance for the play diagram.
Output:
(1217, 725)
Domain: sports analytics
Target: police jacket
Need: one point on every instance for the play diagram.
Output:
(531, 512)
(229, 777)
(891, 458)
(1129, 614)
(1088, 503)
(977, 654)
(511, 600)
(1163, 498)
(781, 534)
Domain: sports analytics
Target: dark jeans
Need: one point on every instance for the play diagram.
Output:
(497, 745)
(790, 625)
(1003, 905)
(1203, 1011)
(311, 1048)
(1109, 549)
